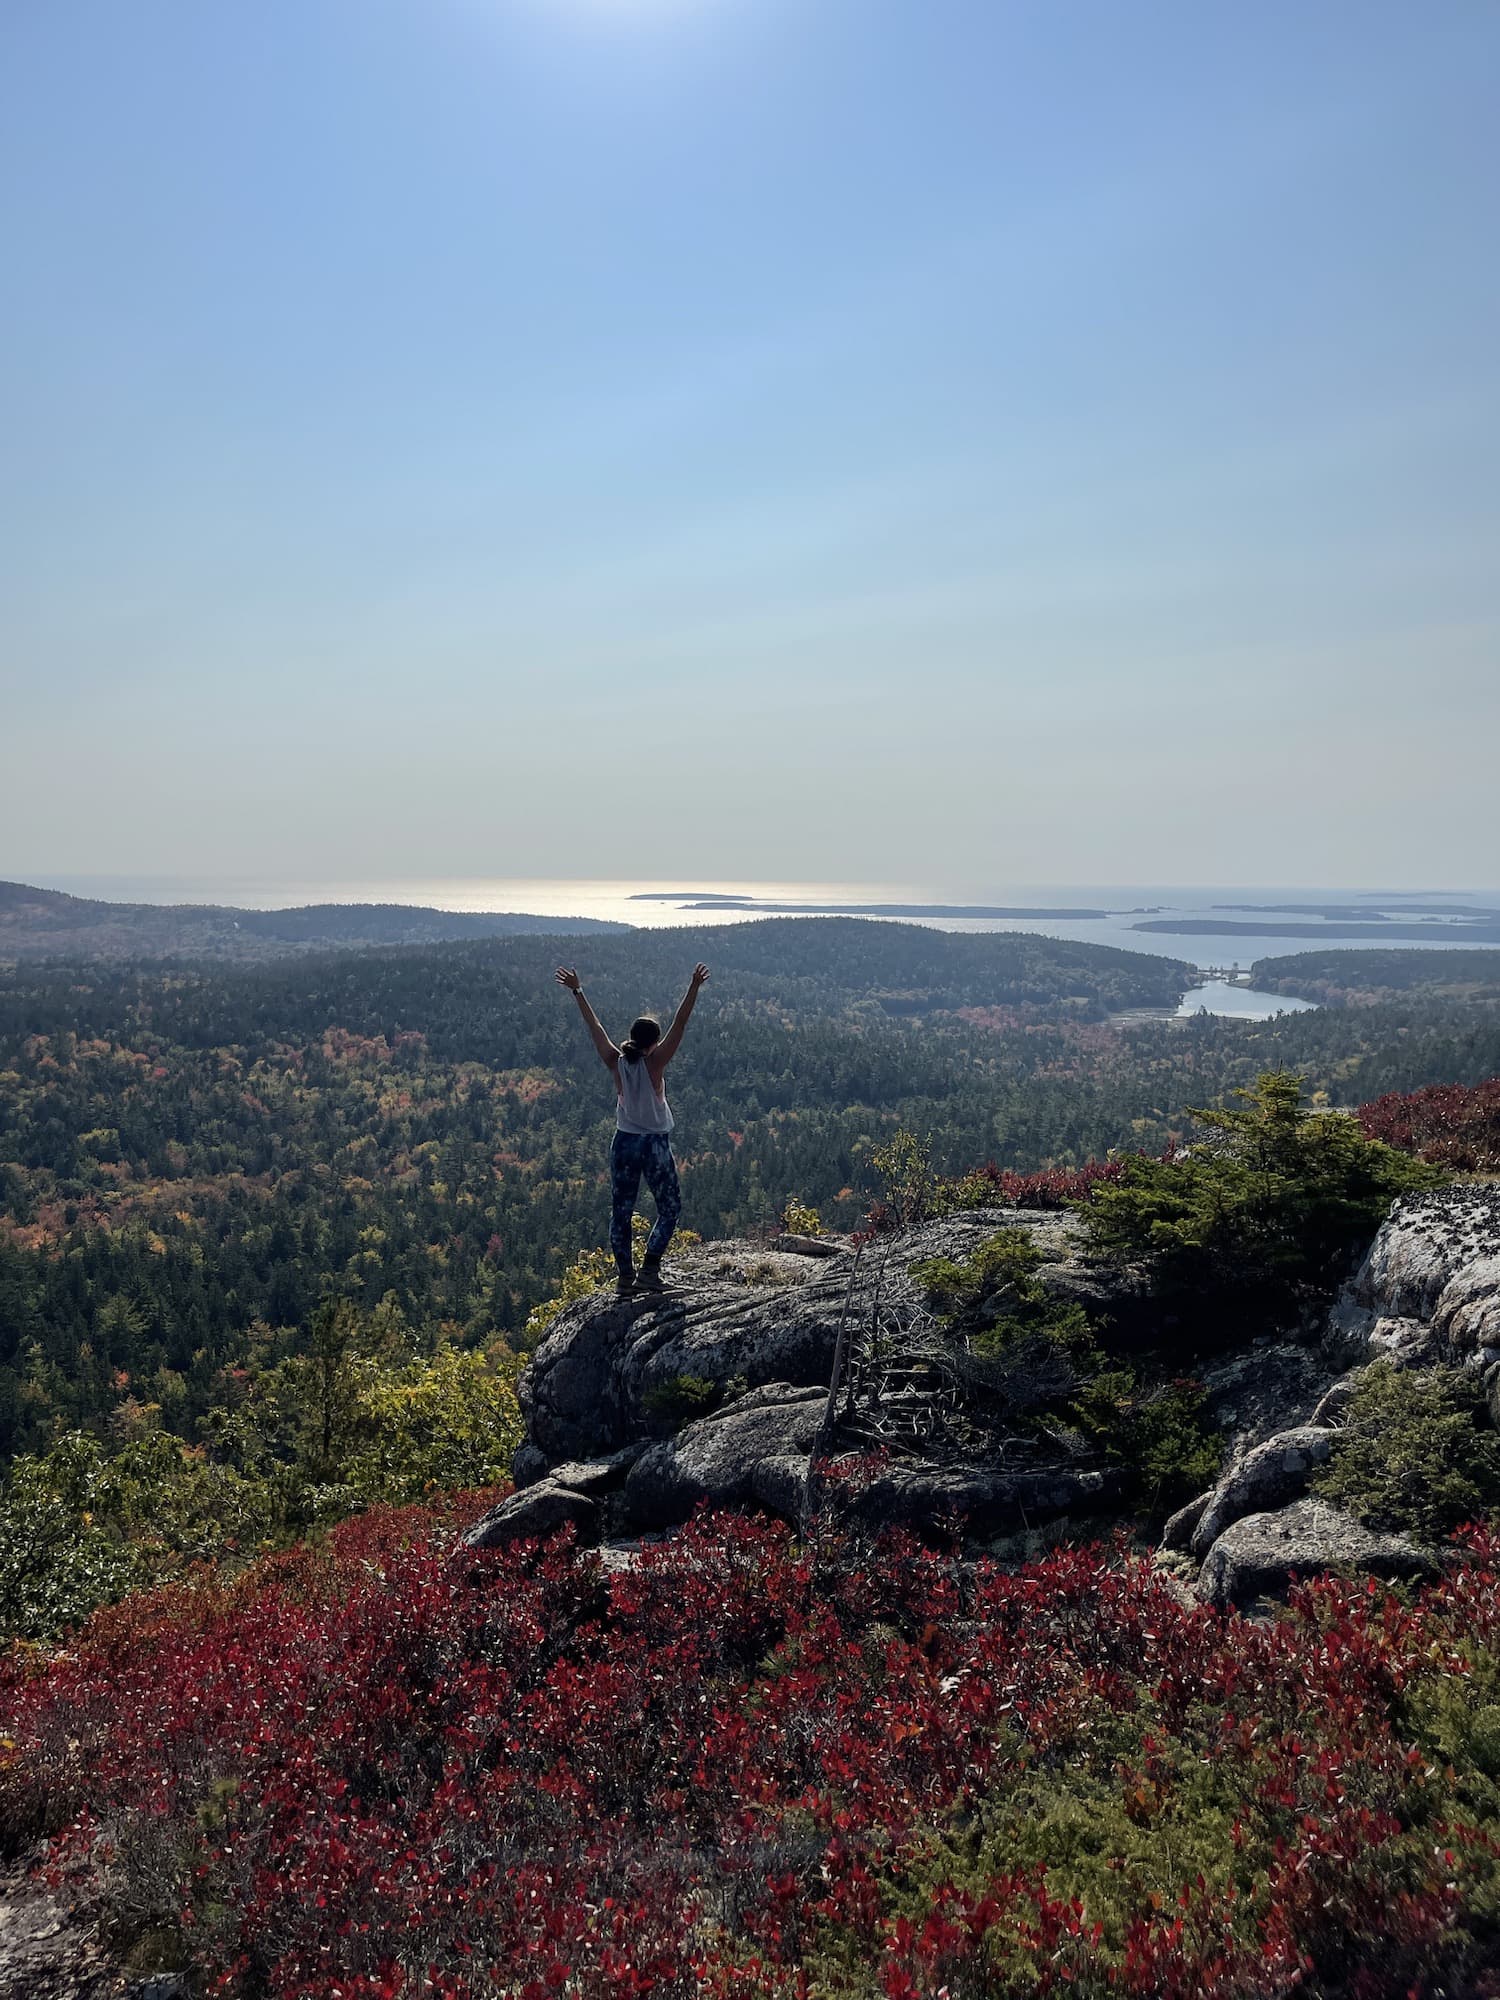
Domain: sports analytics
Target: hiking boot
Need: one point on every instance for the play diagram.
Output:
(651, 1279)
(624, 1280)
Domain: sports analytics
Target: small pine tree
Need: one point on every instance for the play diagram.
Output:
(1268, 1211)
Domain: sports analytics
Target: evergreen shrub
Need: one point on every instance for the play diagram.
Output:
(1416, 1454)
(1152, 1425)
(1264, 1216)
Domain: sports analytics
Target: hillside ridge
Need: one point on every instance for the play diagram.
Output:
(38, 922)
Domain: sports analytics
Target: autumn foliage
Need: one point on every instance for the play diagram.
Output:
(1049, 1187)
(748, 1765)
(1447, 1124)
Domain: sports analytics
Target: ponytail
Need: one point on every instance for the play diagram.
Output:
(645, 1032)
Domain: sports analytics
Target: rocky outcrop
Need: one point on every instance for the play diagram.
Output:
(606, 1374)
(535, 1512)
(1254, 1391)
(737, 1314)
(1429, 1289)
(750, 1331)
(755, 1451)
(797, 1245)
(1427, 1293)
(572, 1495)
(51, 1948)
(936, 1499)
(1259, 1554)
(1333, 1404)
(1177, 1531)
(1268, 1476)
(758, 1326)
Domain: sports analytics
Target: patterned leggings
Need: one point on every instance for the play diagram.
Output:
(632, 1155)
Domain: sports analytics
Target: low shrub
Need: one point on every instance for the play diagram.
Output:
(914, 1192)
(747, 1766)
(1416, 1454)
(1160, 1433)
(801, 1220)
(1050, 1370)
(1448, 1124)
(1048, 1187)
(993, 1298)
(1264, 1216)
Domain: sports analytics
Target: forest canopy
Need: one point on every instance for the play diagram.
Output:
(192, 1160)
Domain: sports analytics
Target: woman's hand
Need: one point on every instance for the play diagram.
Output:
(700, 975)
(566, 976)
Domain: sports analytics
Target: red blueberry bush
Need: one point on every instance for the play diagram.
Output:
(1449, 1124)
(990, 1186)
(1051, 1187)
(749, 1766)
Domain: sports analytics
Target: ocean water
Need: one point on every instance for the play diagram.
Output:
(658, 904)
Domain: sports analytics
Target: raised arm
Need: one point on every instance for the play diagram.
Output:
(609, 1055)
(658, 1058)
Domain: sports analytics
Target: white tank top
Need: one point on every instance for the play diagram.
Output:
(642, 1107)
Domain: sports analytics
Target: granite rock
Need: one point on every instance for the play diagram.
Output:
(1259, 1554)
(1274, 1472)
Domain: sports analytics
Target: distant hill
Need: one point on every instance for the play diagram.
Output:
(1463, 930)
(37, 923)
(1368, 978)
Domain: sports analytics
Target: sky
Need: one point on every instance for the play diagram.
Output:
(905, 440)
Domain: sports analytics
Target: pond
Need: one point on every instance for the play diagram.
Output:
(1239, 1003)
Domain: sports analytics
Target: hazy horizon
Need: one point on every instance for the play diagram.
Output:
(447, 888)
(1061, 912)
(867, 442)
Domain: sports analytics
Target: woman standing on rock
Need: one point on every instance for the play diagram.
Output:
(641, 1146)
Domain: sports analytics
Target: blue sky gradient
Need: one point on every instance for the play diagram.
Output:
(932, 440)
